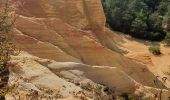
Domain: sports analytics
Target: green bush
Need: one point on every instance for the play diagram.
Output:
(155, 50)
(167, 40)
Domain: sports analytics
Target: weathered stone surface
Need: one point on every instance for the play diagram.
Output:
(69, 39)
(79, 13)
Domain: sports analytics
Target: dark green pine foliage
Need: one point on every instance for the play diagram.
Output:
(168, 24)
(139, 18)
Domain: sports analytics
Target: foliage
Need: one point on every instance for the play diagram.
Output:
(126, 96)
(168, 10)
(155, 50)
(167, 40)
(7, 19)
(6, 23)
(139, 18)
(168, 23)
(167, 19)
(138, 26)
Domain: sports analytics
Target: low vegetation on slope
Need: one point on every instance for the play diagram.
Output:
(6, 46)
(155, 50)
(167, 40)
(139, 18)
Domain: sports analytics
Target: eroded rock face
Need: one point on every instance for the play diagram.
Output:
(58, 40)
(69, 39)
(37, 78)
(79, 13)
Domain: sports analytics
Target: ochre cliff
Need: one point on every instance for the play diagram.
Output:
(79, 13)
(68, 38)
(60, 40)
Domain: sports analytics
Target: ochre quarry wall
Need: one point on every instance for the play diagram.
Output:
(79, 13)
(73, 31)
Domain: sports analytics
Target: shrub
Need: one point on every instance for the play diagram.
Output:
(155, 50)
(126, 96)
(167, 40)
(7, 19)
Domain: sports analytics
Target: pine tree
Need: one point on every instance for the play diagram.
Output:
(168, 24)
(128, 16)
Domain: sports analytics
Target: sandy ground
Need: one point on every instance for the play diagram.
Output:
(138, 51)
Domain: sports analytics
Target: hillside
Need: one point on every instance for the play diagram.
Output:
(67, 53)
